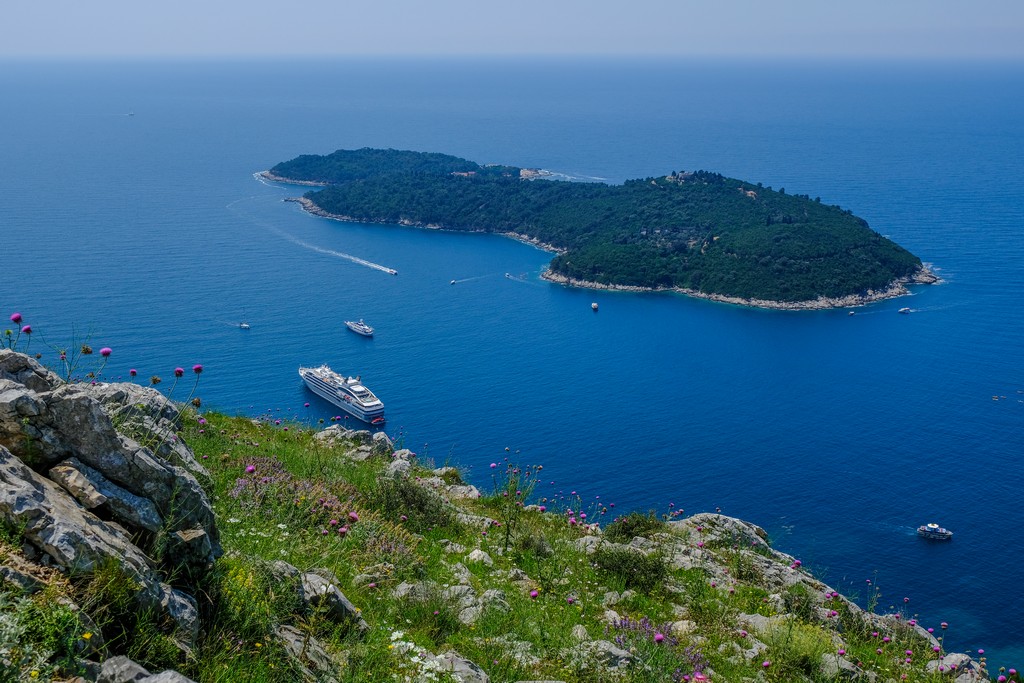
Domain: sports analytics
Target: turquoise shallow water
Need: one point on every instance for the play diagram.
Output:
(838, 434)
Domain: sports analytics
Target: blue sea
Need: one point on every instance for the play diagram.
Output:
(130, 216)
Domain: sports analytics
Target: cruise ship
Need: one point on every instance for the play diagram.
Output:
(348, 393)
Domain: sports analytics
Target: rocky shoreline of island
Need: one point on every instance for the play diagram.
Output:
(897, 288)
(309, 206)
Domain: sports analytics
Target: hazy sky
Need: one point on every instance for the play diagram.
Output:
(926, 29)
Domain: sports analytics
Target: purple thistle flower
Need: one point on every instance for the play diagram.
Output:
(534, 594)
(27, 329)
(197, 368)
(133, 372)
(178, 372)
(15, 318)
(106, 351)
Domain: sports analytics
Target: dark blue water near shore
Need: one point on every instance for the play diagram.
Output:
(838, 434)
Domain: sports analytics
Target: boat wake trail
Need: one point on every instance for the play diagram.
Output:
(331, 252)
(305, 245)
(470, 279)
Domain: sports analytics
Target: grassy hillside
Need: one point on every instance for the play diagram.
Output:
(550, 596)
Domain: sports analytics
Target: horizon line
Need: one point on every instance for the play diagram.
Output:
(503, 56)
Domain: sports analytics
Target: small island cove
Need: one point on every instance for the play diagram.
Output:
(699, 234)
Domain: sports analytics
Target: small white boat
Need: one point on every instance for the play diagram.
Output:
(852, 313)
(359, 327)
(453, 282)
(593, 306)
(904, 310)
(243, 326)
(934, 532)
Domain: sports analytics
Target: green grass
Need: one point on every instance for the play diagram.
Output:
(302, 492)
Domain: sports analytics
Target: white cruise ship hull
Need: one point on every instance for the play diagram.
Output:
(345, 393)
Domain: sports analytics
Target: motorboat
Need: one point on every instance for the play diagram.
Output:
(359, 327)
(934, 532)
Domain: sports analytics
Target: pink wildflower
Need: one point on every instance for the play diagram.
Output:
(178, 372)
(15, 318)
(27, 329)
(106, 351)
(197, 368)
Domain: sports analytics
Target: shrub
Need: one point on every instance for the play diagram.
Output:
(452, 477)
(795, 649)
(376, 540)
(21, 657)
(422, 508)
(534, 543)
(246, 600)
(111, 597)
(632, 567)
(625, 529)
(801, 602)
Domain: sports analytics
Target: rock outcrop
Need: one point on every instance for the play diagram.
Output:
(95, 476)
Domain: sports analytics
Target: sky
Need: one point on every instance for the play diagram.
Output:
(870, 29)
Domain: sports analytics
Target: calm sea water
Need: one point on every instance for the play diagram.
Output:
(838, 434)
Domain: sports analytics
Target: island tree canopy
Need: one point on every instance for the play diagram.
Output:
(694, 230)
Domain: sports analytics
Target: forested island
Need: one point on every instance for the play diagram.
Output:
(696, 232)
